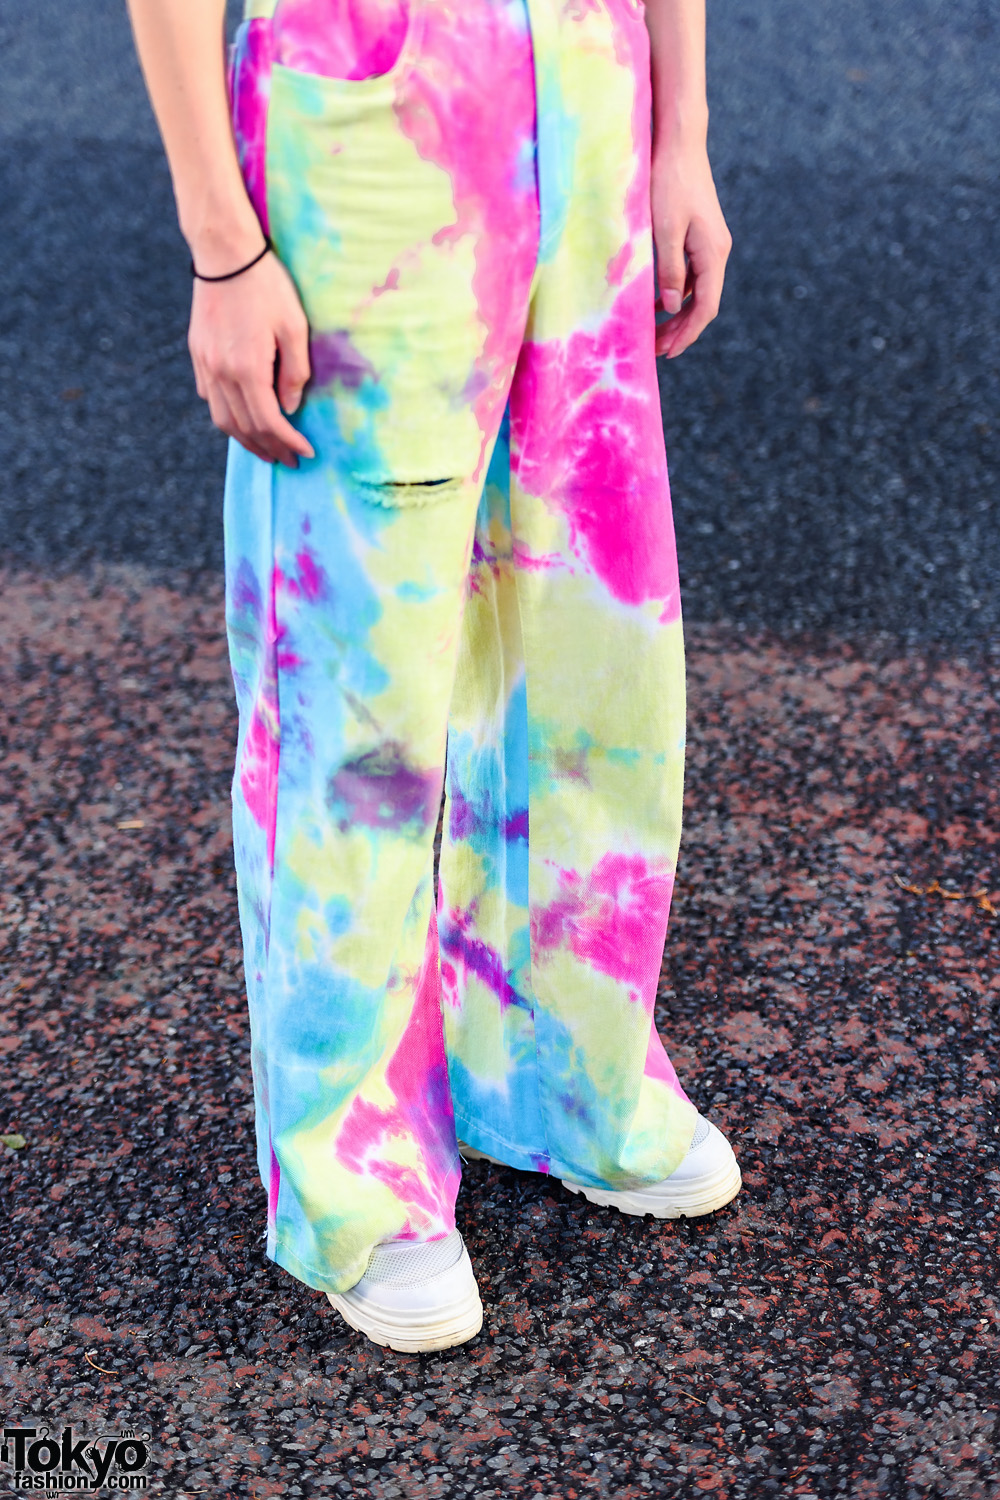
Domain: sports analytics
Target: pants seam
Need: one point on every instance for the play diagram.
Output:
(539, 1094)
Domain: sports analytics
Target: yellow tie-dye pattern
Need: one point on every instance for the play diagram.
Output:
(381, 265)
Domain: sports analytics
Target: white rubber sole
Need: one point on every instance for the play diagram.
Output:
(417, 1330)
(668, 1200)
(445, 1334)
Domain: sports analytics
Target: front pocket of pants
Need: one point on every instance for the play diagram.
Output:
(368, 229)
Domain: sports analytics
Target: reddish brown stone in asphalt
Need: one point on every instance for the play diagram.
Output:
(834, 1332)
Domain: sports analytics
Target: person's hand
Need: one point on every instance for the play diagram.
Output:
(249, 343)
(692, 245)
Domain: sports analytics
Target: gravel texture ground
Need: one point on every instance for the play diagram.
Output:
(831, 982)
(836, 1331)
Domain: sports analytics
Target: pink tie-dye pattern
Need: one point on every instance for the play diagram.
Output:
(659, 1066)
(261, 747)
(273, 1188)
(259, 774)
(613, 919)
(311, 576)
(443, 113)
(586, 433)
(251, 89)
(349, 39)
(417, 1078)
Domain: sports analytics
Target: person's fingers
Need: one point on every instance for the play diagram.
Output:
(684, 330)
(252, 426)
(708, 270)
(237, 390)
(270, 428)
(269, 422)
(244, 408)
(253, 448)
(230, 414)
(671, 266)
(224, 419)
(676, 336)
(255, 405)
(704, 303)
(293, 363)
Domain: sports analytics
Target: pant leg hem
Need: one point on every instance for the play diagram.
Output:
(475, 1134)
(319, 1281)
(481, 1138)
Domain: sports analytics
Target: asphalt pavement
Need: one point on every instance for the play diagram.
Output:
(834, 440)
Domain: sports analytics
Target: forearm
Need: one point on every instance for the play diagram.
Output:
(677, 46)
(181, 46)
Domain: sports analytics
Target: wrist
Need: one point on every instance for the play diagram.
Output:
(680, 127)
(221, 234)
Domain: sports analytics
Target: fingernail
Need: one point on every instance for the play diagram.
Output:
(672, 300)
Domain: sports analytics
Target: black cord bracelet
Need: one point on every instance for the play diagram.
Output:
(239, 271)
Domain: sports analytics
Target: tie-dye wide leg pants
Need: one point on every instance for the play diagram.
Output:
(473, 581)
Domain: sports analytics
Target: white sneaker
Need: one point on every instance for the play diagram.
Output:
(708, 1178)
(415, 1295)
